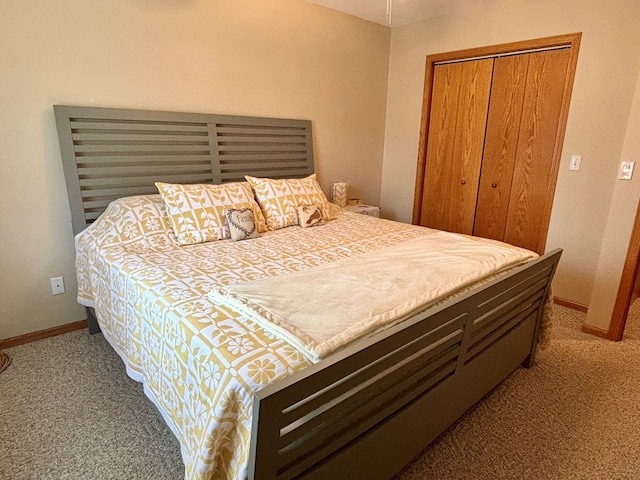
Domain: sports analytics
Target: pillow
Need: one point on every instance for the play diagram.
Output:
(196, 212)
(279, 199)
(309, 215)
(335, 210)
(241, 223)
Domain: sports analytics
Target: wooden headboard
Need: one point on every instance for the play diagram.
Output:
(108, 153)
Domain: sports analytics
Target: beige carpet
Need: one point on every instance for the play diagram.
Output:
(575, 415)
(68, 411)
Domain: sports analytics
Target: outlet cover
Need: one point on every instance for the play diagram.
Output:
(574, 163)
(57, 285)
(626, 170)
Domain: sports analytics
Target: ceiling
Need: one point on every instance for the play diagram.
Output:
(404, 12)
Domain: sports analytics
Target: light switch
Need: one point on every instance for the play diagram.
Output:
(574, 164)
(626, 170)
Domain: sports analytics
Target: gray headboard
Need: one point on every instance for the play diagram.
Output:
(108, 153)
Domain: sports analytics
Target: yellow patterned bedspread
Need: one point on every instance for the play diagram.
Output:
(200, 362)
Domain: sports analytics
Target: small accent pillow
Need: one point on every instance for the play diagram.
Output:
(196, 212)
(309, 215)
(241, 224)
(279, 199)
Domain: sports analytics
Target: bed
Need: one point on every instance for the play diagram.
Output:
(243, 401)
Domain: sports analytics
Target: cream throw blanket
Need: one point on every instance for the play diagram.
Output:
(322, 309)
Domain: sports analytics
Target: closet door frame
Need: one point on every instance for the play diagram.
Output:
(571, 41)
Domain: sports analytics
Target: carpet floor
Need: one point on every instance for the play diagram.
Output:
(68, 411)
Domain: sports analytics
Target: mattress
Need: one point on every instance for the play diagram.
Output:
(199, 361)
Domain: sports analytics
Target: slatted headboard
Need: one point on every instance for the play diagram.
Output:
(108, 153)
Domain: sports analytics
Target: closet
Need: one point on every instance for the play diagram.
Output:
(491, 139)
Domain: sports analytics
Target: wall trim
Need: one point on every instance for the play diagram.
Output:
(80, 324)
(624, 297)
(598, 332)
(42, 334)
(589, 329)
(569, 304)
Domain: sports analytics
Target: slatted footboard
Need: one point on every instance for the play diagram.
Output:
(367, 411)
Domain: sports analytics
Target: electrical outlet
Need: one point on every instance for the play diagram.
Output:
(574, 164)
(57, 285)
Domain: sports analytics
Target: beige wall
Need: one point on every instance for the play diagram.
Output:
(618, 229)
(289, 58)
(606, 77)
(281, 58)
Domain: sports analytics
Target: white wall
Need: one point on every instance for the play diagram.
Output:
(280, 58)
(606, 76)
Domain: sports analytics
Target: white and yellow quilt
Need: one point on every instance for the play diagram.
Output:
(200, 361)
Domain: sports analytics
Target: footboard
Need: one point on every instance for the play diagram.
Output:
(365, 412)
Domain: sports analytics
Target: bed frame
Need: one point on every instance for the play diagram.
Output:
(367, 410)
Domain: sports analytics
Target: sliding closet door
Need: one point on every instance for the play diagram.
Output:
(456, 139)
(527, 217)
(501, 142)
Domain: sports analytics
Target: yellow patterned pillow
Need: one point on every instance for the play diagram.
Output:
(279, 199)
(197, 212)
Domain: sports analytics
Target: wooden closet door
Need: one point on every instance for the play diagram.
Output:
(501, 141)
(518, 169)
(538, 138)
(456, 137)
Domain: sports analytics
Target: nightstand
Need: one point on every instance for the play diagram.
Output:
(370, 210)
